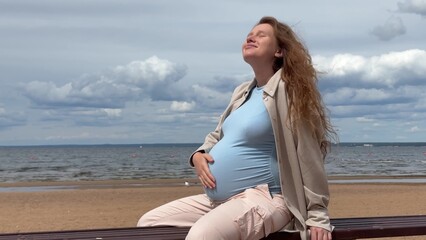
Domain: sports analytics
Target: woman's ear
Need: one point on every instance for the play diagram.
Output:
(279, 53)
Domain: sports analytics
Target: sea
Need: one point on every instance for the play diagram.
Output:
(350, 161)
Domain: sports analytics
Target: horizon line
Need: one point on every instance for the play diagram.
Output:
(189, 143)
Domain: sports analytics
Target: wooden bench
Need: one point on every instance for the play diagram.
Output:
(346, 228)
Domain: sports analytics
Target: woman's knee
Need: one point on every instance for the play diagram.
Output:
(208, 228)
(147, 220)
(194, 234)
(206, 233)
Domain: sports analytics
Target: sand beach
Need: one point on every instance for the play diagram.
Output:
(49, 206)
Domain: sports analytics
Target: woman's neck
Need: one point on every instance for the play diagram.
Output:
(262, 75)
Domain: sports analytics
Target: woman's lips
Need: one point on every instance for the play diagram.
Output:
(248, 46)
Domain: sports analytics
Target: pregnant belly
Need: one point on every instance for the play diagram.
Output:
(225, 182)
(233, 173)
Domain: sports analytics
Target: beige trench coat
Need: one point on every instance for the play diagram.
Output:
(301, 163)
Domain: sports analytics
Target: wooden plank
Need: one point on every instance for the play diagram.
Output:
(166, 233)
(346, 228)
(378, 227)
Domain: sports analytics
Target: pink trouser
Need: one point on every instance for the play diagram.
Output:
(252, 214)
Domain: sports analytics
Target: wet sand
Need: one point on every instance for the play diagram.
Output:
(50, 206)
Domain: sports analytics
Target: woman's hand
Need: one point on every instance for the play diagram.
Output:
(318, 233)
(201, 163)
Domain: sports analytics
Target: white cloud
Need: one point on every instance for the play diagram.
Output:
(152, 78)
(413, 6)
(49, 91)
(364, 119)
(381, 92)
(392, 28)
(344, 64)
(182, 106)
(414, 129)
(387, 70)
(350, 96)
(112, 112)
(151, 73)
(399, 66)
(98, 113)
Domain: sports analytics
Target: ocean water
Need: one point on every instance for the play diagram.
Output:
(108, 162)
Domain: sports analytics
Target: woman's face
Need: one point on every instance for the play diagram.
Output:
(261, 45)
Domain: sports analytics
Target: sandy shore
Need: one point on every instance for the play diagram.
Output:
(108, 204)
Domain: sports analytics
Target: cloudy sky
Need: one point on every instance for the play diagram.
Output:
(95, 72)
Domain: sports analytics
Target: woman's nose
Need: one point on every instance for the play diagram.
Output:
(250, 39)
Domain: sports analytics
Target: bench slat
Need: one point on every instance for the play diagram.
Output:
(410, 218)
(346, 228)
(375, 227)
(165, 233)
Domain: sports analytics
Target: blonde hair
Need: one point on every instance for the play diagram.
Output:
(300, 77)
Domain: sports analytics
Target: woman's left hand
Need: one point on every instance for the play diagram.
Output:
(318, 233)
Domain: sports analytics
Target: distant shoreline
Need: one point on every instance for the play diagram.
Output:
(366, 144)
(108, 144)
(41, 186)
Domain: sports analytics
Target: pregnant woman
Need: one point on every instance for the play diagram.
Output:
(262, 168)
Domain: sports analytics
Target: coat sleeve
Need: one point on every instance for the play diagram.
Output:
(314, 177)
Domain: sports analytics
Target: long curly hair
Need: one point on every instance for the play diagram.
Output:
(300, 77)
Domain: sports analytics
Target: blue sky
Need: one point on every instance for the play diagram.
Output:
(95, 72)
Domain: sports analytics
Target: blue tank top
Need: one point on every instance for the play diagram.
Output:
(245, 156)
